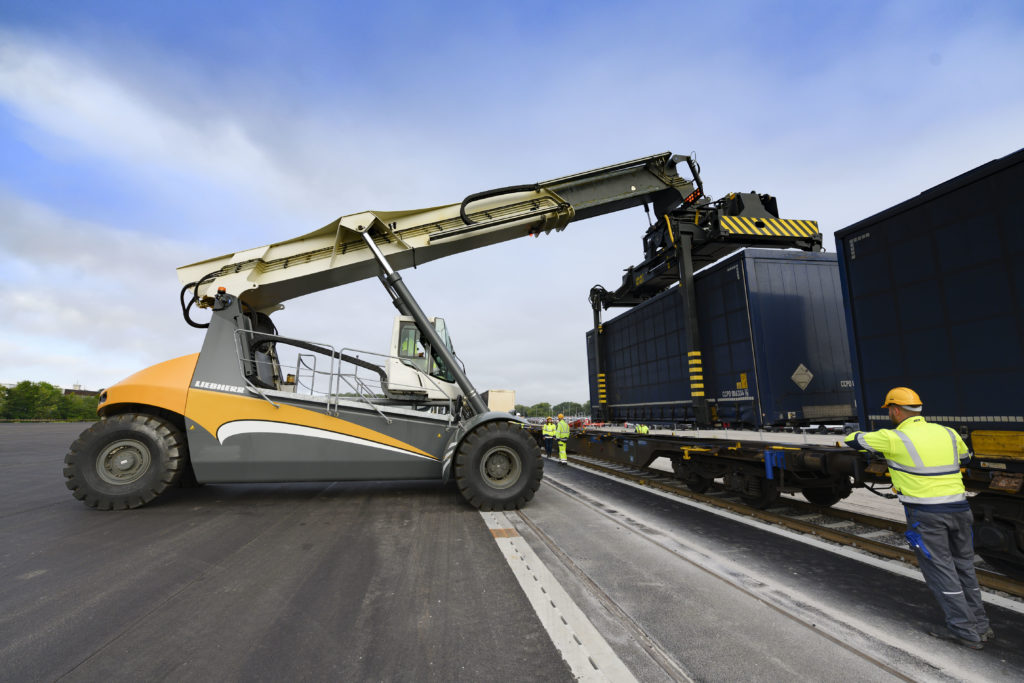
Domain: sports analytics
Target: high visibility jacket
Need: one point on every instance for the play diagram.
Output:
(549, 429)
(562, 430)
(924, 460)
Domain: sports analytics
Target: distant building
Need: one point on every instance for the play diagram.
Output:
(501, 400)
(77, 390)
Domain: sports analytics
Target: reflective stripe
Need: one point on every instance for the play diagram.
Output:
(911, 449)
(919, 468)
(956, 449)
(934, 471)
(955, 498)
(859, 439)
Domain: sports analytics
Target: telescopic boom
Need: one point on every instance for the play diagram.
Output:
(338, 253)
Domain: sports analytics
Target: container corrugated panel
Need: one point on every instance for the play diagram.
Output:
(936, 300)
(645, 361)
(773, 342)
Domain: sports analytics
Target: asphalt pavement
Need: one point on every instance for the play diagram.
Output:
(403, 581)
(735, 599)
(397, 581)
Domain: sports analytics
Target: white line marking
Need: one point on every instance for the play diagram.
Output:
(584, 649)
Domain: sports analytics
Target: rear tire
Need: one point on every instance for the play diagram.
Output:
(498, 466)
(125, 461)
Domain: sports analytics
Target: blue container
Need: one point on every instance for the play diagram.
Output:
(773, 341)
(936, 300)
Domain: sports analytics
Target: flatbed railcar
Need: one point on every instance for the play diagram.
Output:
(757, 466)
(934, 299)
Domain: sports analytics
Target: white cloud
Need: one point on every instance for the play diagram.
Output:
(65, 95)
(82, 299)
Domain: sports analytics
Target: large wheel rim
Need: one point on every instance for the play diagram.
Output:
(500, 467)
(124, 461)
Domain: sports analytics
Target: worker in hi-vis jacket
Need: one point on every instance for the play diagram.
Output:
(549, 436)
(562, 434)
(924, 463)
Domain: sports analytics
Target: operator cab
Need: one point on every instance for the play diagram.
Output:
(412, 369)
(409, 372)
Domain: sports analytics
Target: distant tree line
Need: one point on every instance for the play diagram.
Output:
(43, 401)
(546, 409)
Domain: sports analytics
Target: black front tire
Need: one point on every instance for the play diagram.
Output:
(125, 461)
(498, 466)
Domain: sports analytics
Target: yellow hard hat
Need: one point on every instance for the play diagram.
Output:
(549, 418)
(901, 396)
(560, 416)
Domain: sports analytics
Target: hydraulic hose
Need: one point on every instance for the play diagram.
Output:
(493, 193)
(195, 297)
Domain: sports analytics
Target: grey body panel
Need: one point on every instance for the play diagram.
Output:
(268, 449)
(262, 447)
(266, 456)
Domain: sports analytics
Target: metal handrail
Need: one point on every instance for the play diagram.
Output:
(364, 391)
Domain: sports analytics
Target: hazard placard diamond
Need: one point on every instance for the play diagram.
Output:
(802, 376)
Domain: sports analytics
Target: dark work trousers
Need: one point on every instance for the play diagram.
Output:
(549, 444)
(944, 544)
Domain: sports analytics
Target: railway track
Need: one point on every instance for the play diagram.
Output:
(875, 535)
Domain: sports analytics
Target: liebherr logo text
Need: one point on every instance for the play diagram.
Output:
(199, 384)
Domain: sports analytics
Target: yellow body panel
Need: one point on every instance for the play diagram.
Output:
(164, 385)
(998, 444)
(211, 410)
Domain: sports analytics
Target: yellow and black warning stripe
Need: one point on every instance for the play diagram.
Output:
(602, 395)
(696, 374)
(768, 227)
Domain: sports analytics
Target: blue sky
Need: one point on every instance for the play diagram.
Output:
(138, 137)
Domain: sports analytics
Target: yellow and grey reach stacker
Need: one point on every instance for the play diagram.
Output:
(257, 406)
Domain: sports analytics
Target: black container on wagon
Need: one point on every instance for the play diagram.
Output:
(773, 339)
(935, 288)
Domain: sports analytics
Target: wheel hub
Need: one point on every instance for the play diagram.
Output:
(500, 467)
(123, 462)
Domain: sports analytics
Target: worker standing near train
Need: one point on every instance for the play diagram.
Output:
(548, 432)
(562, 434)
(924, 462)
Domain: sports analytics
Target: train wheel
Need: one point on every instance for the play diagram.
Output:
(694, 481)
(829, 495)
(999, 531)
(498, 466)
(125, 461)
(697, 483)
(823, 497)
(759, 492)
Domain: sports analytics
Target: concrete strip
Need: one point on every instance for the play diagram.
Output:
(893, 566)
(584, 649)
